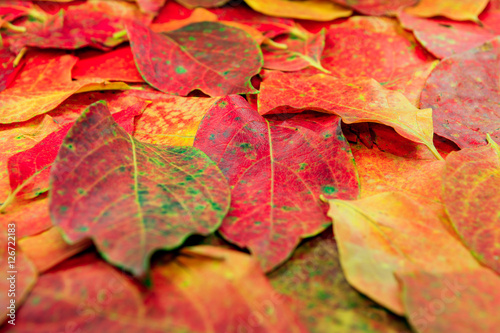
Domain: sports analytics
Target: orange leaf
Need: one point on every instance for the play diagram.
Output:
(470, 192)
(42, 85)
(172, 120)
(355, 100)
(463, 10)
(91, 296)
(458, 302)
(49, 248)
(388, 233)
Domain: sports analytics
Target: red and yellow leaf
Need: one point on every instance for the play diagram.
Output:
(355, 100)
(87, 294)
(470, 193)
(43, 84)
(132, 198)
(277, 169)
(392, 233)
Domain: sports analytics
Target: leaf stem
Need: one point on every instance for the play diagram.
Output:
(12, 27)
(7, 202)
(20, 56)
(435, 152)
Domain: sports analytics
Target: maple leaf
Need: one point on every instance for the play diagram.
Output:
(276, 169)
(148, 189)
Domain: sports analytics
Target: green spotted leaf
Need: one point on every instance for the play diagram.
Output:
(198, 56)
(132, 198)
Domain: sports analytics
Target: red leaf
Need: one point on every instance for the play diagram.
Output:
(29, 170)
(132, 198)
(116, 65)
(277, 170)
(172, 62)
(85, 294)
(94, 23)
(463, 92)
(470, 193)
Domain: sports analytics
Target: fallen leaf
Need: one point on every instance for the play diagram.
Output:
(198, 15)
(43, 84)
(390, 233)
(18, 275)
(172, 62)
(377, 7)
(459, 302)
(383, 172)
(95, 23)
(463, 93)
(464, 10)
(298, 55)
(30, 216)
(443, 37)
(355, 100)
(172, 120)
(8, 70)
(19, 137)
(202, 3)
(144, 189)
(276, 169)
(151, 6)
(270, 26)
(318, 10)
(316, 290)
(396, 60)
(470, 193)
(179, 301)
(29, 170)
(48, 249)
(116, 65)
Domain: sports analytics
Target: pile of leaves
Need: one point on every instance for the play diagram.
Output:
(178, 166)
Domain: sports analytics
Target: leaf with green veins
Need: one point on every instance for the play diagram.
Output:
(197, 56)
(29, 170)
(132, 197)
(277, 169)
(356, 100)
